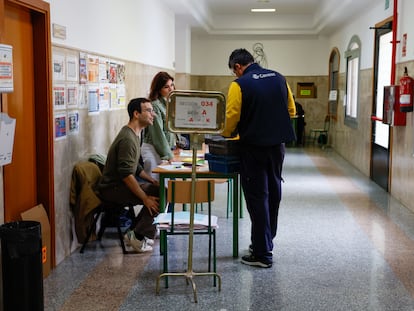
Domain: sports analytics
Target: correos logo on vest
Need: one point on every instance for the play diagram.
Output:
(263, 75)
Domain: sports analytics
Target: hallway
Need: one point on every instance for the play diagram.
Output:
(342, 244)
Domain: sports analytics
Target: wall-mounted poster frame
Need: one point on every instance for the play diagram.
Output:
(306, 90)
(6, 68)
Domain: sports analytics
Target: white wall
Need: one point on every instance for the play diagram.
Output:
(182, 47)
(406, 25)
(134, 30)
(361, 28)
(292, 56)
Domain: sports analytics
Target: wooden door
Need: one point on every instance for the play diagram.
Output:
(29, 179)
(20, 176)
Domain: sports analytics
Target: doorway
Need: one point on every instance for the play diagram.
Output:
(380, 140)
(29, 179)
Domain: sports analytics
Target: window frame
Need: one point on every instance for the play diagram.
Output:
(352, 55)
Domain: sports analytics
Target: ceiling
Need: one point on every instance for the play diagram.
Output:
(292, 17)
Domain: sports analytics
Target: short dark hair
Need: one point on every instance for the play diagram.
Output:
(241, 57)
(135, 105)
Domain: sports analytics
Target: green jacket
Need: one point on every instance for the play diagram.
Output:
(158, 134)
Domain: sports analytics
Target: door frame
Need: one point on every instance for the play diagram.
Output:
(378, 153)
(40, 18)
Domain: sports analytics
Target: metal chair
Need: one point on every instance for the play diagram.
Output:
(316, 132)
(87, 206)
(179, 191)
(110, 213)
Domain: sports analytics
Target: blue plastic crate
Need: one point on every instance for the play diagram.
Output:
(223, 163)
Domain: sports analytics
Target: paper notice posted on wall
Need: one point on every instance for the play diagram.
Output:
(7, 127)
(182, 220)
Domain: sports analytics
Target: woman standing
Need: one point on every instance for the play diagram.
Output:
(158, 142)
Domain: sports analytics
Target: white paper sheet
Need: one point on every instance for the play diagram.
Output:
(182, 220)
(7, 127)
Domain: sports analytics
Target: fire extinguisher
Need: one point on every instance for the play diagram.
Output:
(406, 92)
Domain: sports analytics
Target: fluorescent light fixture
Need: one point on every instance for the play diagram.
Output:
(262, 10)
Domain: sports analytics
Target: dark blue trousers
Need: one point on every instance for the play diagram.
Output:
(261, 177)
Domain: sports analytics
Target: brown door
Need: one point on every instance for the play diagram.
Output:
(29, 179)
(20, 175)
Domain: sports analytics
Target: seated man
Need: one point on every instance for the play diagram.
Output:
(119, 182)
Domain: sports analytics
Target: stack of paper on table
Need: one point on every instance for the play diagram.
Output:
(182, 220)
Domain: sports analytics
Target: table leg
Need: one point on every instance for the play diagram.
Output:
(162, 208)
(235, 215)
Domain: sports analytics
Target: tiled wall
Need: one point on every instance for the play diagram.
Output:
(354, 143)
(402, 174)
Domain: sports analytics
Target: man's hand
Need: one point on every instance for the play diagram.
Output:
(154, 182)
(152, 203)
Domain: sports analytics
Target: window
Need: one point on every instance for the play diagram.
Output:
(352, 56)
(333, 82)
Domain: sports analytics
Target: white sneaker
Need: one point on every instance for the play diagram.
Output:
(149, 241)
(137, 245)
(127, 239)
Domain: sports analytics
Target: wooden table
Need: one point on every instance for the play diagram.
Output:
(170, 172)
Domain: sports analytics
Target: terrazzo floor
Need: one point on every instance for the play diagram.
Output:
(343, 244)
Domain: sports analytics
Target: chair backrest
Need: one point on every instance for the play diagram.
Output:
(83, 199)
(179, 191)
(327, 123)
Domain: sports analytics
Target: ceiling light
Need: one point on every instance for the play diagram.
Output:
(262, 10)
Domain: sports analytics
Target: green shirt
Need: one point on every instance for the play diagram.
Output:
(158, 134)
(122, 159)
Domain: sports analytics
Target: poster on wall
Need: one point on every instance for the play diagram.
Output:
(104, 96)
(72, 68)
(93, 68)
(58, 67)
(404, 45)
(73, 119)
(59, 97)
(113, 72)
(93, 99)
(6, 68)
(121, 95)
(113, 96)
(83, 70)
(72, 96)
(60, 126)
(82, 96)
(121, 73)
(103, 70)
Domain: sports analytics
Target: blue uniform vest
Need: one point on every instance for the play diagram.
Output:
(264, 119)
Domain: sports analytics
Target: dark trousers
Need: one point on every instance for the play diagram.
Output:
(261, 177)
(122, 195)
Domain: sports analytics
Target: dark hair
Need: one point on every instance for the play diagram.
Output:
(158, 82)
(241, 57)
(135, 105)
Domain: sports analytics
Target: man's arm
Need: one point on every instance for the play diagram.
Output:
(233, 109)
(291, 103)
(143, 174)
